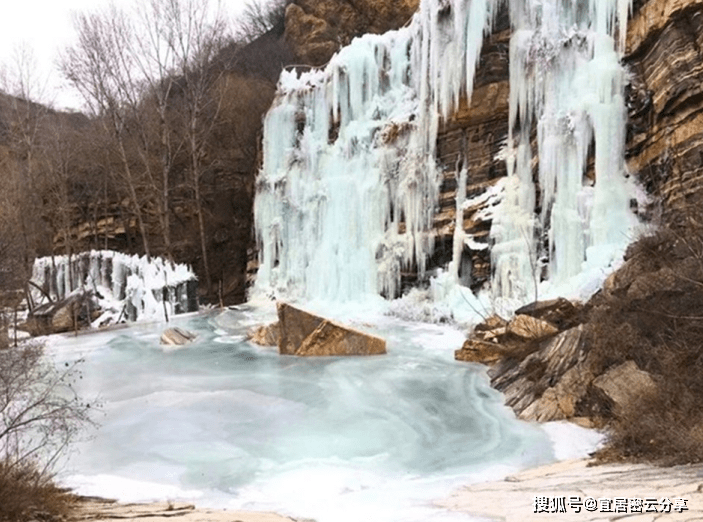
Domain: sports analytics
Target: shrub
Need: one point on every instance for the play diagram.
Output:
(259, 17)
(26, 495)
(40, 414)
(654, 316)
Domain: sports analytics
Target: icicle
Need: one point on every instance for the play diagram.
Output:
(120, 279)
(565, 77)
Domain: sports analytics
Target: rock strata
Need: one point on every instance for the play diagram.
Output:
(543, 372)
(316, 29)
(664, 98)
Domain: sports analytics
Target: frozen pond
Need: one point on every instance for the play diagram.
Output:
(228, 424)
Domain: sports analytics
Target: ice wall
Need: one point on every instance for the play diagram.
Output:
(567, 84)
(349, 185)
(131, 286)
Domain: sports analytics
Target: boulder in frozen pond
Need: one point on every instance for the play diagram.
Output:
(176, 337)
(303, 333)
(265, 335)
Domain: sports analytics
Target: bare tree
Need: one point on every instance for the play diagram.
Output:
(40, 414)
(259, 17)
(26, 118)
(198, 35)
(104, 75)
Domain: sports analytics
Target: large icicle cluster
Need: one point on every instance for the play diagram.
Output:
(565, 80)
(349, 185)
(132, 286)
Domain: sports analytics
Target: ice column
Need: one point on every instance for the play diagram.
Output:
(349, 186)
(566, 83)
(136, 287)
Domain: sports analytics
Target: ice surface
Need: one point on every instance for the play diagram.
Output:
(229, 424)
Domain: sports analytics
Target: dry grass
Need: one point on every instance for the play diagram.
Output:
(654, 316)
(26, 495)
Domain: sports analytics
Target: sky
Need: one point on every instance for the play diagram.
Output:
(45, 26)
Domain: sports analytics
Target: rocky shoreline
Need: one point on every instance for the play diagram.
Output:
(532, 494)
(105, 510)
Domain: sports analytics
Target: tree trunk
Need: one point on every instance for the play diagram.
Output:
(135, 200)
(194, 150)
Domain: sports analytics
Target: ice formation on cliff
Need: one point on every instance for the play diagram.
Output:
(565, 80)
(349, 183)
(132, 286)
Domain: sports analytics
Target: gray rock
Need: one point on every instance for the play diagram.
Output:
(623, 384)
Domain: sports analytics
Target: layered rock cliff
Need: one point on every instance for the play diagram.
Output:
(664, 148)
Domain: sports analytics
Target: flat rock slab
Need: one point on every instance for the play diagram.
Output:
(98, 509)
(176, 337)
(513, 499)
(306, 334)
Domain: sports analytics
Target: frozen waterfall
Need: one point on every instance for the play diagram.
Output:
(132, 286)
(567, 82)
(349, 184)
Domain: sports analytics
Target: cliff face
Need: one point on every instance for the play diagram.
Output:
(318, 28)
(665, 133)
(664, 147)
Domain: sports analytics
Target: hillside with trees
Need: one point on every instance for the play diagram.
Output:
(163, 163)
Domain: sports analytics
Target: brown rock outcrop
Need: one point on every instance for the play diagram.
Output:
(665, 100)
(306, 334)
(546, 384)
(265, 335)
(543, 372)
(561, 312)
(480, 352)
(527, 327)
(316, 29)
